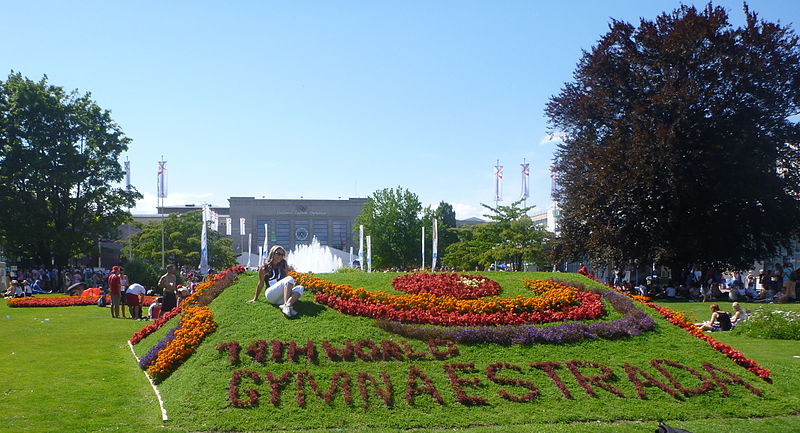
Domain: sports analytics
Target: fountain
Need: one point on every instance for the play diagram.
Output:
(315, 258)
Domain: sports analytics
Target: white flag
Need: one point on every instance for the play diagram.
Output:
(206, 213)
(128, 175)
(249, 248)
(228, 229)
(369, 253)
(260, 255)
(162, 179)
(351, 256)
(498, 183)
(265, 249)
(435, 244)
(203, 251)
(526, 174)
(361, 247)
(214, 221)
(241, 226)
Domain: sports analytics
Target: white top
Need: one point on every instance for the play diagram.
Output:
(136, 289)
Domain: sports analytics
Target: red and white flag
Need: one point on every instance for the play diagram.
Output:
(498, 183)
(526, 173)
(162, 179)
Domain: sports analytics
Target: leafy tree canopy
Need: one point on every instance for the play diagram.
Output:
(392, 218)
(59, 155)
(510, 236)
(679, 145)
(181, 242)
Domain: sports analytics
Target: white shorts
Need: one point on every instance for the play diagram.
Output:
(274, 292)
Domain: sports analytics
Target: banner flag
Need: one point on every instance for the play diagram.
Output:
(128, 175)
(260, 255)
(204, 251)
(351, 257)
(369, 253)
(361, 247)
(241, 226)
(435, 244)
(228, 229)
(249, 248)
(214, 221)
(162, 179)
(498, 183)
(553, 173)
(526, 174)
(266, 245)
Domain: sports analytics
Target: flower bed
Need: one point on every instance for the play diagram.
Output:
(634, 322)
(63, 301)
(196, 323)
(459, 286)
(679, 320)
(556, 305)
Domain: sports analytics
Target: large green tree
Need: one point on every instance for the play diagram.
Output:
(59, 162)
(679, 145)
(181, 242)
(392, 218)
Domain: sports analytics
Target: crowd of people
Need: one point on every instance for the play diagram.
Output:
(114, 283)
(771, 284)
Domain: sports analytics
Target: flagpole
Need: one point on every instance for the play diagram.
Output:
(128, 188)
(161, 194)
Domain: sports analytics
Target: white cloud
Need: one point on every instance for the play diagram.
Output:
(465, 211)
(555, 137)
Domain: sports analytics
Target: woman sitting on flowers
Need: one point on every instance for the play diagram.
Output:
(720, 320)
(281, 288)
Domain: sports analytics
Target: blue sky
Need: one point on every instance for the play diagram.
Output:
(326, 99)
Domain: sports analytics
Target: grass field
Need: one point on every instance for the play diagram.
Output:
(75, 372)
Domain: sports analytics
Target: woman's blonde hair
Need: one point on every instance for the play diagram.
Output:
(273, 262)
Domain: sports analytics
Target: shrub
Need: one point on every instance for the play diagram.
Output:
(142, 272)
(784, 325)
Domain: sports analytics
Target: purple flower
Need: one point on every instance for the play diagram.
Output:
(150, 356)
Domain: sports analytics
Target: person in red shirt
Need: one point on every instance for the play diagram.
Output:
(115, 288)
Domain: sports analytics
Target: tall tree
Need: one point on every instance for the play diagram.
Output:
(447, 225)
(392, 218)
(181, 242)
(59, 155)
(679, 146)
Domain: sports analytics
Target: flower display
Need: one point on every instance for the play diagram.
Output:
(63, 301)
(459, 286)
(634, 321)
(195, 324)
(558, 304)
(155, 326)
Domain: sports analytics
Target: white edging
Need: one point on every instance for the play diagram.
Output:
(155, 388)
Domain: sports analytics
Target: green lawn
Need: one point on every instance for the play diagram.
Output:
(76, 373)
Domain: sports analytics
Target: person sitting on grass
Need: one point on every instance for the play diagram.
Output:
(281, 288)
(720, 320)
(739, 315)
(154, 312)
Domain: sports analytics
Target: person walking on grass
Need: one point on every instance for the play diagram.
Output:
(281, 288)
